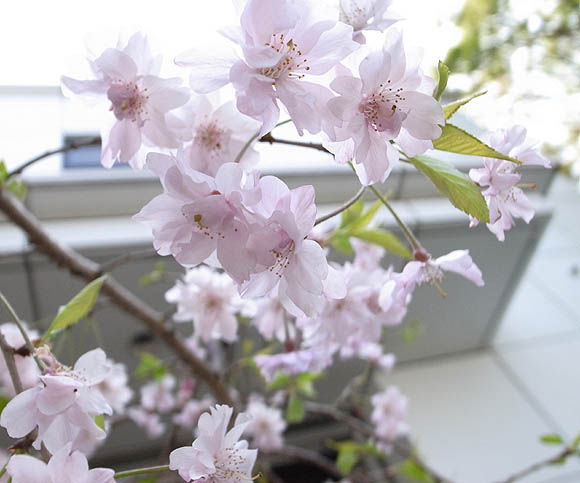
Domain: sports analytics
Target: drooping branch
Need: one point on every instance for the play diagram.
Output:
(88, 270)
(93, 141)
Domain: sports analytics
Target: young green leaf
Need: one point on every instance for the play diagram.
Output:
(280, 381)
(341, 243)
(411, 470)
(346, 460)
(453, 107)
(454, 185)
(78, 307)
(551, 439)
(150, 367)
(17, 188)
(351, 213)
(456, 140)
(363, 220)
(443, 71)
(3, 172)
(385, 239)
(154, 276)
(295, 411)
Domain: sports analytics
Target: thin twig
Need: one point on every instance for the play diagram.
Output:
(93, 141)
(542, 464)
(8, 354)
(88, 270)
(126, 258)
(141, 471)
(342, 208)
(268, 138)
(253, 138)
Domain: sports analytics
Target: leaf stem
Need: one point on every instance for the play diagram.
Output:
(141, 471)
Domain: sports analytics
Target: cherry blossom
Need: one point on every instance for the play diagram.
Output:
(391, 101)
(63, 467)
(189, 415)
(214, 134)
(150, 422)
(283, 44)
(504, 199)
(312, 359)
(366, 15)
(266, 426)
(63, 406)
(217, 454)
(388, 416)
(25, 365)
(115, 387)
(139, 100)
(158, 395)
(211, 301)
(270, 319)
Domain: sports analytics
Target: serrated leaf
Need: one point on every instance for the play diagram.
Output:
(351, 213)
(463, 193)
(456, 140)
(443, 71)
(385, 239)
(346, 460)
(410, 469)
(551, 439)
(453, 107)
(78, 307)
(295, 411)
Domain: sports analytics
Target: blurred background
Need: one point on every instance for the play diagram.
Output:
(486, 371)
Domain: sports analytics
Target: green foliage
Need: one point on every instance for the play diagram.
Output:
(154, 276)
(247, 347)
(100, 421)
(354, 223)
(301, 383)
(17, 188)
(551, 439)
(456, 140)
(410, 469)
(350, 452)
(412, 331)
(443, 71)
(295, 410)
(150, 367)
(454, 185)
(3, 172)
(78, 307)
(453, 107)
(3, 402)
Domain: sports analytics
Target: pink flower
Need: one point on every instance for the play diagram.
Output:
(63, 467)
(391, 101)
(270, 319)
(191, 411)
(139, 99)
(217, 454)
(366, 15)
(266, 426)
(371, 352)
(158, 395)
(198, 215)
(150, 422)
(281, 44)
(388, 416)
(215, 134)
(115, 387)
(63, 406)
(210, 300)
(504, 199)
(417, 273)
(295, 362)
(25, 365)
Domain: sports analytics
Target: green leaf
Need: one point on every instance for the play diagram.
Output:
(443, 78)
(410, 469)
(100, 421)
(78, 307)
(3, 172)
(3, 402)
(304, 383)
(453, 107)
(280, 381)
(455, 185)
(362, 221)
(150, 367)
(351, 213)
(341, 243)
(17, 188)
(153, 277)
(295, 411)
(456, 140)
(346, 460)
(385, 239)
(551, 439)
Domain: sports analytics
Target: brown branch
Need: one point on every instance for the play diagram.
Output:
(88, 270)
(268, 138)
(8, 354)
(562, 455)
(93, 141)
(308, 456)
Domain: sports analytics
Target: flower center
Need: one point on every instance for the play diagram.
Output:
(431, 273)
(210, 137)
(354, 15)
(282, 257)
(228, 466)
(381, 108)
(128, 102)
(292, 63)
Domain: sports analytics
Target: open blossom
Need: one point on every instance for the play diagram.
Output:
(312, 359)
(189, 415)
(158, 395)
(149, 422)
(210, 300)
(139, 100)
(25, 365)
(266, 426)
(63, 467)
(63, 406)
(388, 416)
(282, 45)
(198, 215)
(390, 101)
(366, 15)
(215, 134)
(217, 455)
(504, 199)
(115, 387)
(270, 319)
